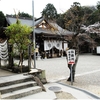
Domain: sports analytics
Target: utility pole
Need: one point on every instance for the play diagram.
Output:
(34, 35)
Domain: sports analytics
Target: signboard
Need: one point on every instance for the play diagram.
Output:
(71, 56)
(98, 49)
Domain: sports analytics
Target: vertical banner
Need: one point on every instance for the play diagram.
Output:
(71, 60)
(71, 56)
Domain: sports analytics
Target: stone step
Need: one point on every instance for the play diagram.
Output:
(21, 93)
(15, 87)
(15, 79)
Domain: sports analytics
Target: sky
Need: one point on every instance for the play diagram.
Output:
(12, 6)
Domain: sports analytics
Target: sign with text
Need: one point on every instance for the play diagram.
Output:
(71, 56)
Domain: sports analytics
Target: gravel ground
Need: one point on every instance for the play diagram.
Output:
(64, 95)
(81, 83)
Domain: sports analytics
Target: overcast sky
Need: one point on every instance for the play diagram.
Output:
(8, 6)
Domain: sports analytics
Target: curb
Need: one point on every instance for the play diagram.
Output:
(82, 90)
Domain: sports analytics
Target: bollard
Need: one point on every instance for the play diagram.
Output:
(0, 95)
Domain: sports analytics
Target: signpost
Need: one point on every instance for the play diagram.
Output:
(71, 60)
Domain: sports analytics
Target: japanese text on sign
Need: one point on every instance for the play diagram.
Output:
(71, 56)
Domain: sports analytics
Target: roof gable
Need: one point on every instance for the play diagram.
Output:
(45, 25)
(41, 25)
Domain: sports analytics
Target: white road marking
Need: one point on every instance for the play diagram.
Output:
(85, 73)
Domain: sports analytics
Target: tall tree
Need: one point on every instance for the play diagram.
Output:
(19, 35)
(95, 16)
(98, 5)
(2, 19)
(74, 18)
(2, 23)
(49, 12)
(88, 11)
(87, 16)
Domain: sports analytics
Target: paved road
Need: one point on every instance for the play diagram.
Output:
(56, 68)
(87, 71)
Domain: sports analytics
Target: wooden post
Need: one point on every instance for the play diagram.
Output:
(0, 62)
(10, 57)
(71, 75)
(29, 57)
(0, 95)
(45, 55)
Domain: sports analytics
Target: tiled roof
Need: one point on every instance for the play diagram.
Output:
(29, 22)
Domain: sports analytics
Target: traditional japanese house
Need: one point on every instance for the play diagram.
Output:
(51, 39)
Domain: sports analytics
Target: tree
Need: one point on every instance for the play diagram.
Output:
(95, 15)
(89, 16)
(98, 5)
(74, 19)
(2, 19)
(22, 14)
(19, 35)
(60, 20)
(49, 12)
(2, 22)
(88, 11)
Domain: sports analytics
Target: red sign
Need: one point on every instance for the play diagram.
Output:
(71, 62)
